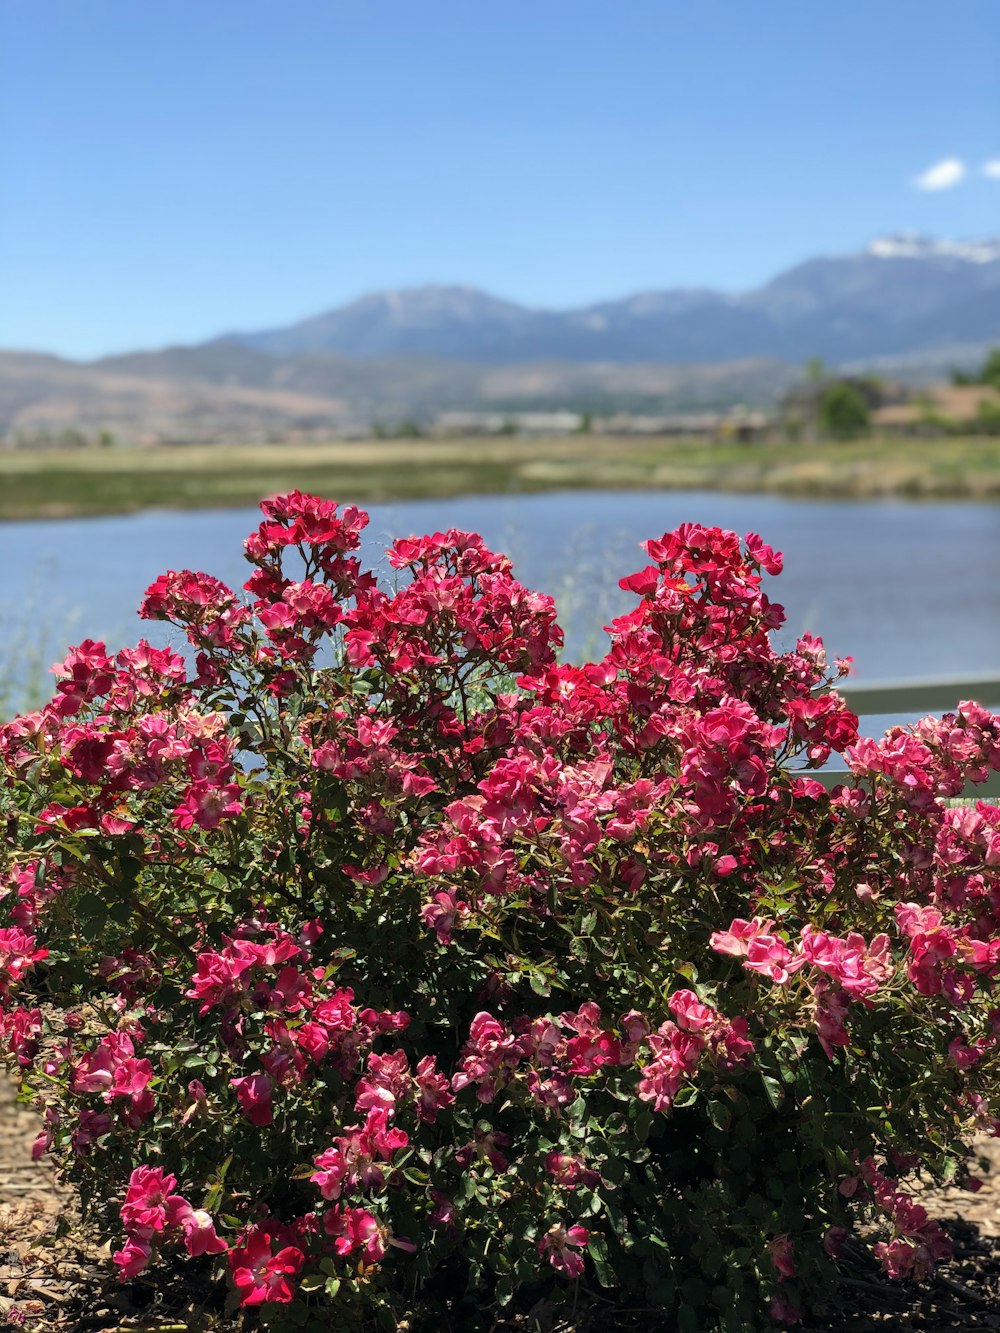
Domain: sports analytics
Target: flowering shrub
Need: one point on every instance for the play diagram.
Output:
(388, 967)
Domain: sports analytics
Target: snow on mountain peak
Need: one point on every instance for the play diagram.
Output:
(912, 245)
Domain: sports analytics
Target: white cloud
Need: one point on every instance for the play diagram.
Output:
(943, 175)
(992, 168)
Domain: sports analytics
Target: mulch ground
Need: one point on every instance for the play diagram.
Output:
(56, 1284)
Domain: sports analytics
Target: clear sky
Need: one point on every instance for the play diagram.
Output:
(173, 168)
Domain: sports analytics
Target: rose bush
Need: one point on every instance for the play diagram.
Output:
(386, 966)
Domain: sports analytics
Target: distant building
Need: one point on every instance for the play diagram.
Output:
(947, 406)
(800, 406)
(738, 423)
(507, 423)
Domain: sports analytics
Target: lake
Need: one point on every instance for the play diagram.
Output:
(908, 589)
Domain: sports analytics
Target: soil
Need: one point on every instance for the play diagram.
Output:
(53, 1283)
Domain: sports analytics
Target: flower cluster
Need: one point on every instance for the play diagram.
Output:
(151, 1214)
(388, 934)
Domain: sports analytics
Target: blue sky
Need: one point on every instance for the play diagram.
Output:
(173, 168)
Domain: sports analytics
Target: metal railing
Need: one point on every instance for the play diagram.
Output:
(917, 696)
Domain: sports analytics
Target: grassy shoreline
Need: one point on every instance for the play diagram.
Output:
(61, 483)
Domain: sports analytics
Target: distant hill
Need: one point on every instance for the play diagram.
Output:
(901, 296)
(907, 306)
(225, 391)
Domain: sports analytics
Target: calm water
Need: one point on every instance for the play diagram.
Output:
(909, 590)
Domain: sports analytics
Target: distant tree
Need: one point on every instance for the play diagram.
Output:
(988, 418)
(586, 423)
(843, 411)
(990, 373)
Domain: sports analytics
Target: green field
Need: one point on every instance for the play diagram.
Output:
(66, 482)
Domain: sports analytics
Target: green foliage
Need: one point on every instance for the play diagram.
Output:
(843, 411)
(988, 417)
(990, 372)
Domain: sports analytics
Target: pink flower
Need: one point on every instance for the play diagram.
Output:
(762, 554)
(330, 1177)
(132, 1258)
(783, 1312)
(434, 1093)
(570, 1171)
(829, 1014)
(834, 1240)
(560, 1244)
(355, 1156)
(147, 1199)
(388, 1081)
(443, 1212)
(254, 1093)
(737, 939)
(206, 805)
(897, 1258)
(858, 967)
(199, 1233)
(964, 1055)
(91, 1126)
(131, 1078)
(355, 1229)
(780, 1250)
(442, 913)
(771, 956)
(17, 954)
(489, 1057)
(690, 1013)
(258, 1275)
(675, 1058)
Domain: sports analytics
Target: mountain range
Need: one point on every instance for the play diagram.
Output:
(901, 295)
(907, 305)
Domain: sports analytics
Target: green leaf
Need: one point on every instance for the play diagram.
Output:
(643, 1122)
(719, 1114)
(773, 1089)
(615, 1170)
(504, 1292)
(539, 984)
(689, 1320)
(214, 1195)
(598, 1250)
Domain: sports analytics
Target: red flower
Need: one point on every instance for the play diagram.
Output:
(261, 1276)
(147, 1200)
(560, 1244)
(254, 1093)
